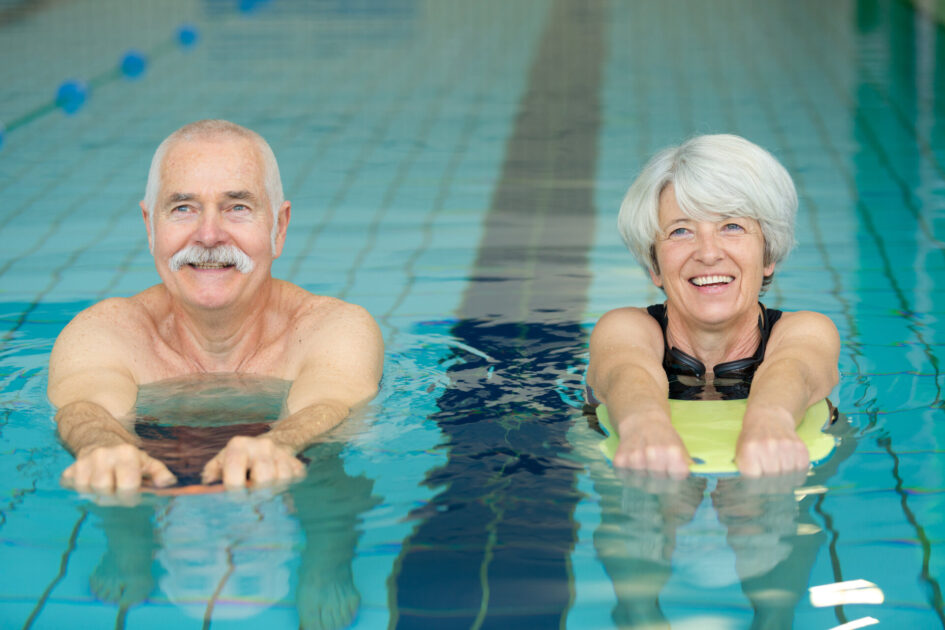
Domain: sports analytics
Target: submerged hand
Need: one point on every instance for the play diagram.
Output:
(257, 459)
(657, 449)
(115, 468)
(770, 449)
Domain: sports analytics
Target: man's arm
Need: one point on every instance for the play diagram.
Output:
(344, 356)
(799, 369)
(92, 387)
(626, 373)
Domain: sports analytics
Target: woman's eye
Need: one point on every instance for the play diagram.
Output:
(679, 232)
(733, 227)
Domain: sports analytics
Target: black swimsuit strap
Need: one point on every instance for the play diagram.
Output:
(676, 361)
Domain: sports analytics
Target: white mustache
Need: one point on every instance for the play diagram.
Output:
(219, 255)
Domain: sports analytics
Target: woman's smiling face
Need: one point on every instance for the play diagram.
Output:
(711, 271)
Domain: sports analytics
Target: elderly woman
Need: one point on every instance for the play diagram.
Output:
(710, 220)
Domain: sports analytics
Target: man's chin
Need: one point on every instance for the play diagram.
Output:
(207, 300)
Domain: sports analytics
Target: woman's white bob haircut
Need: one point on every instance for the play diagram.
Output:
(713, 176)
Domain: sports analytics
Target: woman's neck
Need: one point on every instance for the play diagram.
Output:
(715, 346)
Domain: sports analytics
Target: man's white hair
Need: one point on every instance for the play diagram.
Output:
(207, 130)
(712, 176)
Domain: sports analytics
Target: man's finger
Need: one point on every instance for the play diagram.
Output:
(157, 472)
(262, 470)
(67, 478)
(102, 480)
(235, 465)
(212, 470)
(127, 475)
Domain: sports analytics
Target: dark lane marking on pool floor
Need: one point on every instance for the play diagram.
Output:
(492, 548)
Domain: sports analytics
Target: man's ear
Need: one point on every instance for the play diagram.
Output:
(283, 216)
(147, 225)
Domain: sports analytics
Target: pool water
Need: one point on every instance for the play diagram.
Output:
(456, 168)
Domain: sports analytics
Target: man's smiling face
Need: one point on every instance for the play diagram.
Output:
(211, 230)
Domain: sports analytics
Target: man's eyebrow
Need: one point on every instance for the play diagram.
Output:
(179, 196)
(244, 195)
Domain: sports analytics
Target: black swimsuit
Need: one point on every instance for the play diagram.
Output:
(732, 379)
(686, 374)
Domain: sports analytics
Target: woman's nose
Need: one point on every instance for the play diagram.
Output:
(708, 248)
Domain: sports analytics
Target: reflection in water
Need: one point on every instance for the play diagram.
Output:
(709, 533)
(231, 555)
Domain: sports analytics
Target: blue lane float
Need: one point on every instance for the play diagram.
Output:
(187, 35)
(133, 64)
(251, 6)
(71, 95)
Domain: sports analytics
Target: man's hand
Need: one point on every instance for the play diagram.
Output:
(117, 468)
(257, 459)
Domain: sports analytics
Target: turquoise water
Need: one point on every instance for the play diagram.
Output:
(456, 169)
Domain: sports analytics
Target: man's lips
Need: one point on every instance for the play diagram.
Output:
(209, 266)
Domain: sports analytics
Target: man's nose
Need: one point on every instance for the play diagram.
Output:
(210, 230)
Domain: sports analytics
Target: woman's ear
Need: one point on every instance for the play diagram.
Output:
(657, 280)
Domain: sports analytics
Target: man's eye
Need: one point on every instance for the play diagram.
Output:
(240, 208)
(180, 209)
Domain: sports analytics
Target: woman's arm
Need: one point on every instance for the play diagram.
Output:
(626, 374)
(800, 368)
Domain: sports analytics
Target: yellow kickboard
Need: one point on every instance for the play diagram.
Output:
(709, 429)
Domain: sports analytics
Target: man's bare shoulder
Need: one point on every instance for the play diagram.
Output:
(337, 351)
(110, 332)
(101, 347)
(112, 317)
(310, 312)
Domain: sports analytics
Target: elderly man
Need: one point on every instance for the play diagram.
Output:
(215, 219)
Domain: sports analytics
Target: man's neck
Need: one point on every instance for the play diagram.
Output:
(222, 340)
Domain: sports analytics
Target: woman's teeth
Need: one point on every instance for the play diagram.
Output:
(702, 281)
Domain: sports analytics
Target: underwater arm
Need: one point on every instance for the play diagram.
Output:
(341, 370)
(799, 369)
(626, 374)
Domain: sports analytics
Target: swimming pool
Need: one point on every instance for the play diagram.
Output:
(456, 169)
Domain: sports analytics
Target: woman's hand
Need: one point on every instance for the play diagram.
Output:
(770, 446)
(654, 447)
(800, 368)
